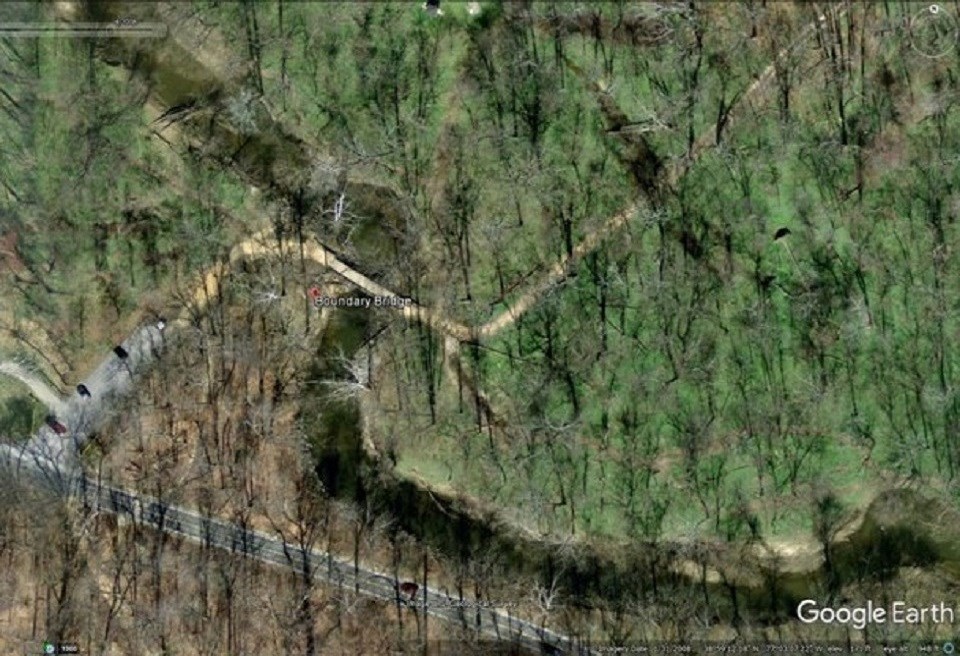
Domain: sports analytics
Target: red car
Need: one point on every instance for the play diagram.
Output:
(56, 426)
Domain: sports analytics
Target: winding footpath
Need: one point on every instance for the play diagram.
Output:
(265, 244)
(54, 460)
(40, 390)
(563, 267)
(32, 335)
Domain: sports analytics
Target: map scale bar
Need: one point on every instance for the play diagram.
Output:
(84, 30)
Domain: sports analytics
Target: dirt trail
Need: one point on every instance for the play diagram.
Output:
(265, 243)
(37, 339)
(707, 138)
(43, 392)
(559, 271)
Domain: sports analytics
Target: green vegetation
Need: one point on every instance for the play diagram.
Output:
(712, 248)
(692, 370)
(680, 384)
(19, 413)
(96, 216)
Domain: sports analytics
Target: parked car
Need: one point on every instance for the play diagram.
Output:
(121, 352)
(407, 591)
(161, 323)
(83, 390)
(55, 425)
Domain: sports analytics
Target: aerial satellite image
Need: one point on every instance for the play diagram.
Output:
(500, 327)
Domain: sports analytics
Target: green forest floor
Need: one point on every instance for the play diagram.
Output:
(694, 374)
(798, 353)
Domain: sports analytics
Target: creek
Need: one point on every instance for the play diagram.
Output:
(615, 576)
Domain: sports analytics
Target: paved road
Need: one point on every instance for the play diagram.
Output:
(491, 623)
(52, 460)
(81, 416)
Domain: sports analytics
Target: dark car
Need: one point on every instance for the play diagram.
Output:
(55, 425)
(550, 650)
(83, 390)
(120, 352)
(407, 591)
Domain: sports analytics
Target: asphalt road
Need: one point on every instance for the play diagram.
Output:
(58, 455)
(53, 461)
(489, 622)
(492, 623)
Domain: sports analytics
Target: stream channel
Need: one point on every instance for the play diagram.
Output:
(889, 534)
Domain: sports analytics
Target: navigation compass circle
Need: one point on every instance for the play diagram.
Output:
(933, 32)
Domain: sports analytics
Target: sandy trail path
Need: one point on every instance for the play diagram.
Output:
(40, 390)
(264, 244)
(707, 140)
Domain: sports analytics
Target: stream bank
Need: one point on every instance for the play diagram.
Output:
(731, 583)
